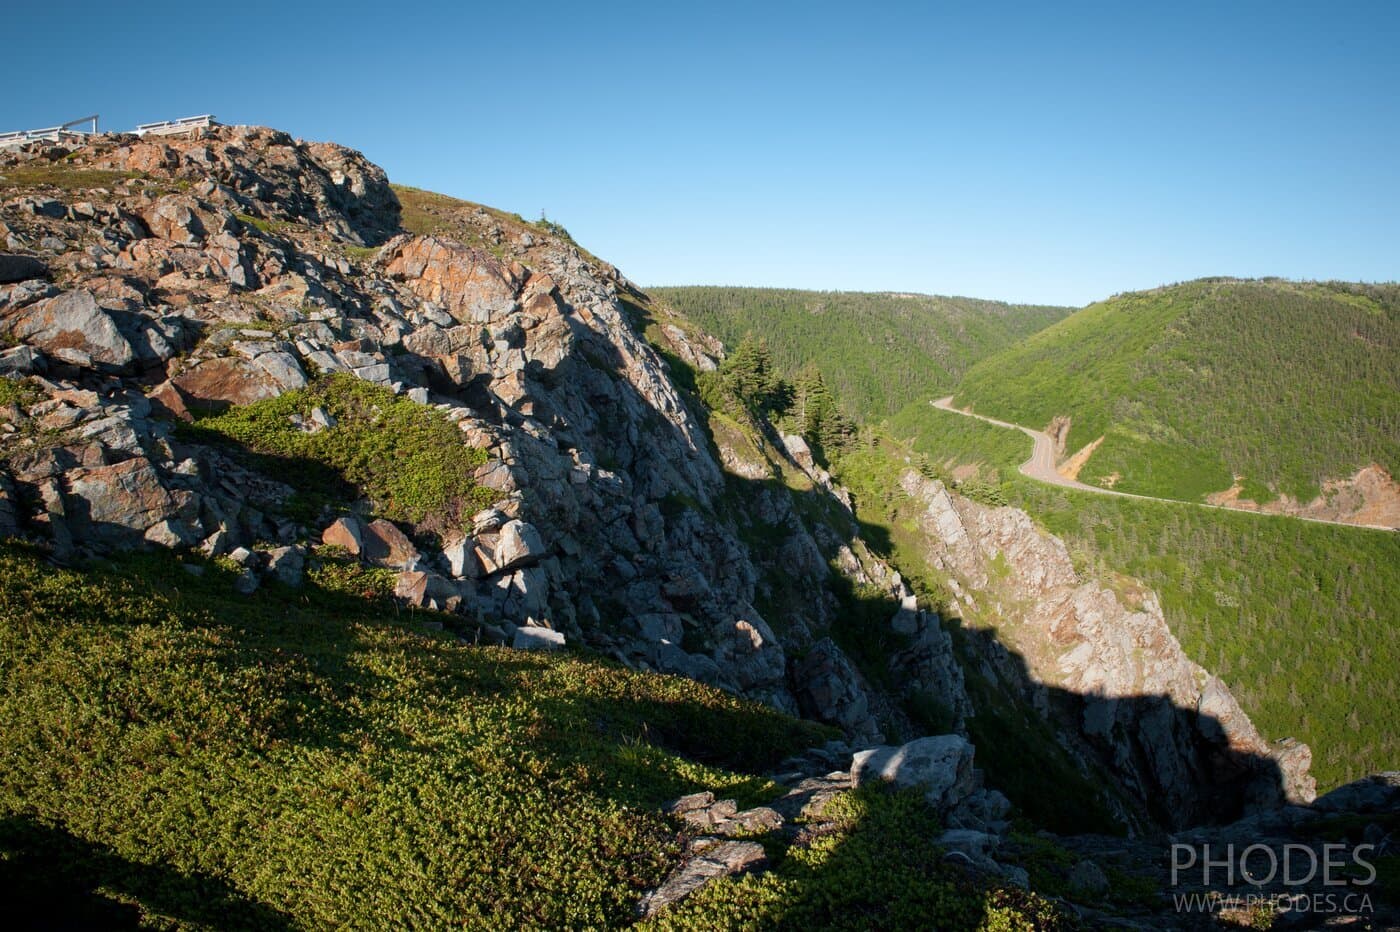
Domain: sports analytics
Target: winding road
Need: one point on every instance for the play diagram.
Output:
(1041, 467)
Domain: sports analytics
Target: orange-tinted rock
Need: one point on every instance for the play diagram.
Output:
(469, 284)
(386, 545)
(347, 533)
(227, 381)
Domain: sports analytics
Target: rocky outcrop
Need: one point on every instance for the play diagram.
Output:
(237, 264)
(223, 271)
(1171, 733)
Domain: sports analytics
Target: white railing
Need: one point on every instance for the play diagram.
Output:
(169, 127)
(54, 133)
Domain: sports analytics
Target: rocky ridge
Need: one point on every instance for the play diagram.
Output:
(1079, 652)
(155, 281)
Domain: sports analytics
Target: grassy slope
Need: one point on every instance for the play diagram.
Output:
(1284, 383)
(176, 754)
(877, 351)
(1299, 618)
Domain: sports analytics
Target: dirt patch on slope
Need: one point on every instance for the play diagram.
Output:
(1070, 467)
(1371, 498)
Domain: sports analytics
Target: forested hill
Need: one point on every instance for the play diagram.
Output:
(852, 336)
(1285, 383)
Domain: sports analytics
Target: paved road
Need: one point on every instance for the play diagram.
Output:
(1041, 467)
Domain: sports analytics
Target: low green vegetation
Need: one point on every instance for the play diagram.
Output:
(175, 753)
(1284, 383)
(20, 392)
(961, 445)
(877, 351)
(877, 870)
(63, 174)
(407, 458)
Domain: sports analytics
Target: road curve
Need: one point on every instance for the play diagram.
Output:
(1041, 467)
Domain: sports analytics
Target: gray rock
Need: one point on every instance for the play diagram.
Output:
(73, 328)
(977, 844)
(286, 564)
(461, 558)
(247, 583)
(1088, 878)
(537, 639)
(518, 544)
(709, 860)
(20, 360)
(941, 766)
(690, 803)
(831, 690)
(283, 369)
(118, 499)
(378, 373)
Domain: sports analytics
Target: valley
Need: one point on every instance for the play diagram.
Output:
(374, 557)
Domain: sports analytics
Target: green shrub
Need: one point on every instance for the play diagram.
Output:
(180, 755)
(407, 458)
(20, 392)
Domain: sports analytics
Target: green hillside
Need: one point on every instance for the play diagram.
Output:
(176, 755)
(877, 351)
(1283, 383)
(1297, 617)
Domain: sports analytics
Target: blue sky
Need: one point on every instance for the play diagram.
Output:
(1055, 152)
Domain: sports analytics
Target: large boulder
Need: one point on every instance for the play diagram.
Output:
(940, 766)
(123, 499)
(219, 383)
(386, 545)
(72, 327)
(517, 545)
(347, 533)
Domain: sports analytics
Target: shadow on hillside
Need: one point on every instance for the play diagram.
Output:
(1149, 748)
(52, 880)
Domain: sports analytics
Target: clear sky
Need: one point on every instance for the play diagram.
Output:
(1055, 152)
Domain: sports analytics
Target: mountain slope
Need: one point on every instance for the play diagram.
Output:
(1284, 384)
(851, 335)
(255, 400)
(179, 755)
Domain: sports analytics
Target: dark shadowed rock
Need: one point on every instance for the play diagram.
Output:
(21, 268)
(386, 545)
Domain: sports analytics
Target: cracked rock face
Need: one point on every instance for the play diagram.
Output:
(1172, 733)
